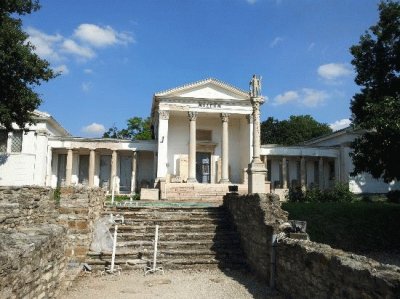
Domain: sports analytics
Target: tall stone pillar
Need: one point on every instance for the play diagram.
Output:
(134, 169)
(162, 158)
(113, 170)
(92, 162)
(284, 173)
(303, 173)
(256, 169)
(68, 168)
(192, 147)
(225, 149)
(321, 182)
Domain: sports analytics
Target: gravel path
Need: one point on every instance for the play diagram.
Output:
(173, 284)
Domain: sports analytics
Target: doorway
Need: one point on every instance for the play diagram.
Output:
(203, 167)
(125, 173)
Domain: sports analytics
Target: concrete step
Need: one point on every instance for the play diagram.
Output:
(176, 236)
(169, 215)
(178, 245)
(222, 254)
(178, 221)
(219, 228)
(198, 263)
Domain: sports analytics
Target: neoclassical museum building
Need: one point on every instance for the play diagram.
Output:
(203, 144)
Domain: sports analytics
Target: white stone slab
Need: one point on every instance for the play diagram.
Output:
(149, 194)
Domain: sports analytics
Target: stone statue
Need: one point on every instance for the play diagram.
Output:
(255, 86)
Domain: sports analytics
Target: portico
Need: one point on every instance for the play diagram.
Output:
(100, 163)
(203, 133)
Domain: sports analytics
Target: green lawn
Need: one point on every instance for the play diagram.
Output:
(357, 227)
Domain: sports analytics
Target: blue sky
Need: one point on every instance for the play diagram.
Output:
(114, 55)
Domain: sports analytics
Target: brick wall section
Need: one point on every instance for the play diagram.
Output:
(40, 235)
(256, 217)
(307, 269)
(32, 263)
(79, 208)
(25, 206)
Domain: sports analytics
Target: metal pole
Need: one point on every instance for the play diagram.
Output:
(155, 250)
(114, 249)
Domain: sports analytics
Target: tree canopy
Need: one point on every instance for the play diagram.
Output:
(137, 128)
(21, 69)
(297, 129)
(376, 108)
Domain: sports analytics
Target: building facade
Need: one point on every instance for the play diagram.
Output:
(203, 143)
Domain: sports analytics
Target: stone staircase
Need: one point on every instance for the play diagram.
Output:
(189, 237)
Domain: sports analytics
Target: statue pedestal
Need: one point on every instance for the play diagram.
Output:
(256, 177)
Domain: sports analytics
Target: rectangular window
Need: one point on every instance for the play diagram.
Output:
(16, 142)
(203, 135)
(3, 141)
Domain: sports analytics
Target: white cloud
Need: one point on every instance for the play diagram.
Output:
(45, 44)
(94, 129)
(305, 97)
(286, 97)
(275, 42)
(86, 86)
(333, 71)
(61, 69)
(340, 124)
(313, 97)
(97, 36)
(71, 47)
(88, 71)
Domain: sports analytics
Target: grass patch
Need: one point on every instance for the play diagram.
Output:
(357, 226)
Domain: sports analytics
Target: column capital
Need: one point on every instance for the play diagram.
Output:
(163, 114)
(225, 117)
(192, 115)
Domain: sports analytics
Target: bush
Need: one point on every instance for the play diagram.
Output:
(393, 196)
(295, 195)
(339, 193)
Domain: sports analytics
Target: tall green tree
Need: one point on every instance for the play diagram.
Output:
(376, 108)
(297, 129)
(137, 129)
(20, 68)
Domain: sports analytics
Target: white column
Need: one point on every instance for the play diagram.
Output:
(284, 173)
(49, 172)
(192, 147)
(134, 166)
(92, 158)
(303, 173)
(225, 149)
(68, 168)
(113, 169)
(321, 182)
(162, 158)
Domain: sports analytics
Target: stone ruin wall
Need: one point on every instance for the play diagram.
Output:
(41, 236)
(251, 215)
(79, 208)
(305, 269)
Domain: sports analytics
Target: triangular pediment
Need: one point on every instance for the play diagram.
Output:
(206, 89)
